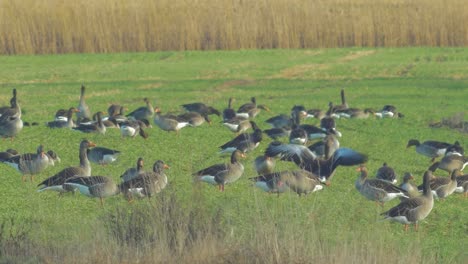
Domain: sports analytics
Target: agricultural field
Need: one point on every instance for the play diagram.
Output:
(195, 222)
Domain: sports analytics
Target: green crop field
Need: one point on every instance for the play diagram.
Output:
(196, 223)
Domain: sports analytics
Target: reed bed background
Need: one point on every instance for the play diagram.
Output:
(58, 26)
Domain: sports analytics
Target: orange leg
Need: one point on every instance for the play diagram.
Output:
(406, 227)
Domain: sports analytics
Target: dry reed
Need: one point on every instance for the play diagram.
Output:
(58, 26)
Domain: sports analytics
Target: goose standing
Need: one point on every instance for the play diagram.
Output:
(102, 156)
(415, 209)
(377, 190)
(222, 174)
(55, 182)
(251, 110)
(10, 120)
(64, 122)
(132, 128)
(201, 108)
(133, 172)
(408, 185)
(244, 142)
(169, 123)
(30, 163)
(84, 113)
(143, 112)
(430, 148)
(386, 173)
(93, 186)
(146, 184)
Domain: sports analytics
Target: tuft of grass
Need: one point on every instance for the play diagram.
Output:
(108, 26)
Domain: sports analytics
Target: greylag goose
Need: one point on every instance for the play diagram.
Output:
(264, 164)
(30, 163)
(355, 113)
(271, 182)
(132, 128)
(93, 186)
(280, 121)
(326, 147)
(10, 120)
(102, 156)
(55, 182)
(194, 118)
(229, 113)
(430, 148)
(414, 209)
(201, 108)
(316, 113)
(389, 111)
(8, 109)
(244, 142)
(299, 181)
(386, 173)
(251, 110)
(133, 172)
(237, 125)
(275, 133)
(6, 155)
(146, 184)
(306, 159)
(64, 122)
(143, 112)
(298, 135)
(408, 185)
(453, 162)
(222, 174)
(115, 110)
(97, 127)
(84, 113)
(462, 184)
(169, 122)
(377, 190)
(441, 186)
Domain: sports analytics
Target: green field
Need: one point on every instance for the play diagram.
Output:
(196, 223)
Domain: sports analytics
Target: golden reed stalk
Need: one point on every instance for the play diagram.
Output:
(62, 26)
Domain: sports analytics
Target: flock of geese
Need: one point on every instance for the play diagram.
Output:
(316, 163)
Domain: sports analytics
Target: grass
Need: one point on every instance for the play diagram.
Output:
(107, 26)
(197, 223)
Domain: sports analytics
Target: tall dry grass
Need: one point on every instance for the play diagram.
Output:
(59, 26)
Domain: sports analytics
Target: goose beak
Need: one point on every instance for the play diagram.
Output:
(92, 144)
(166, 166)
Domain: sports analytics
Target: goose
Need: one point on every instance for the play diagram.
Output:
(102, 155)
(251, 110)
(414, 209)
(298, 135)
(316, 113)
(441, 186)
(430, 148)
(53, 157)
(377, 190)
(264, 164)
(201, 108)
(133, 172)
(279, 121)
(10, 120)
(55, 182)
(244, 142)
(132, 128)
(9, 109)
(115, 110)
(30, 163)
(275, 133)
(97, 127)
(306, 159)
(93, 186)
(169, 123)
(6, 155)
(84, 113)
(462, 184)
(455, 149)
(229, 113)
(299, 181)
(194, 118)
(343, 105)
(453, 162)
(146, 184)
(389, 111)
(271, 182)
(237, 125)
(143, 112)
(386, 173)
(355, 113)
(326, 147)
(224, 173)
(408, 185)
(66, 122)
